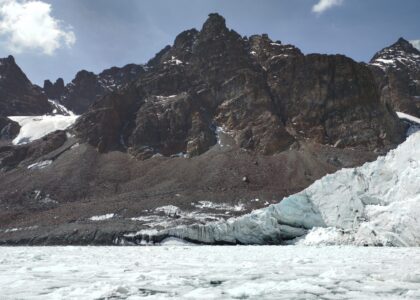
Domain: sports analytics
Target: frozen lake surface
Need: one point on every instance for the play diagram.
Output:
(209, 272)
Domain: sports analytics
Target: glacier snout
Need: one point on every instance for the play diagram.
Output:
(375, 204)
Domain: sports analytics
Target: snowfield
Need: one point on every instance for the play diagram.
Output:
(375, 204)
(204, 272)
(35, 127)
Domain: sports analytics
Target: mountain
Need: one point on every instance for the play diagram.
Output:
(214, 126)
(265, 95)
(397, 69)
(18, 96)
(87, 87)
(375, 204)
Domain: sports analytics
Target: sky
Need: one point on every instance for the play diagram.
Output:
(58, 38)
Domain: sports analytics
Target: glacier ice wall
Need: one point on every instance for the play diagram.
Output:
(375, 204)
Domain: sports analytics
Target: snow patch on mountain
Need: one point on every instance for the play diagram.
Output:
(375, 204)
(35, 127)
(59, 109)
(40, 165)
(102, 217)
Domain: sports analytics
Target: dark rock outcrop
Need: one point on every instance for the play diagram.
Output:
(88, 87)
(18, 96)
(397, 71)
(54, 90)
(9, 129)
(11, 156)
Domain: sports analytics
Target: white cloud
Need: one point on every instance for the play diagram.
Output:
(415, 43)
(27, 25)
(324, 5)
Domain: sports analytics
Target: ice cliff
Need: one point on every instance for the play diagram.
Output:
(375, 204)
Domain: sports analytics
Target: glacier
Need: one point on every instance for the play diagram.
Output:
(374, 204)
(35, 127)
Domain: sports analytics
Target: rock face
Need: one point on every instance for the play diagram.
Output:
(12, 156)
(18, 96)
(54, 90)
(397, 71)
(8, 129)
(87, 87)
(264, 94)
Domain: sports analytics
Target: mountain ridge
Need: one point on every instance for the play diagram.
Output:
(211, 64)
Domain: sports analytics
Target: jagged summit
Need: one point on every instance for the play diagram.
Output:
(87, 86)
(11, 59)
(397, 69)
(18, 96)
(214, 25)
(401, 53)
(54, 90)
(406, 45)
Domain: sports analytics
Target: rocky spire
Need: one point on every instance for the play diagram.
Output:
(18, 96)
(214, 25)
(56, 90)
(405, 45)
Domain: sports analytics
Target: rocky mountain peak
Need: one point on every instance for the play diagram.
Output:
(83, 74)
(185, 39)
(397, 71)
(266, 51)
(406, 45)
(11, 59)
(18, 96)
(87, 86)
(265, 94)
(54, 90)
(214, 25)
(399, 55)
(11, 71)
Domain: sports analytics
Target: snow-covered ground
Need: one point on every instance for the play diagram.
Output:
(203, 272)
(375, 204)
(35, 127)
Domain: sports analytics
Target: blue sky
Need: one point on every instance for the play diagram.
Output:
(97, 34)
